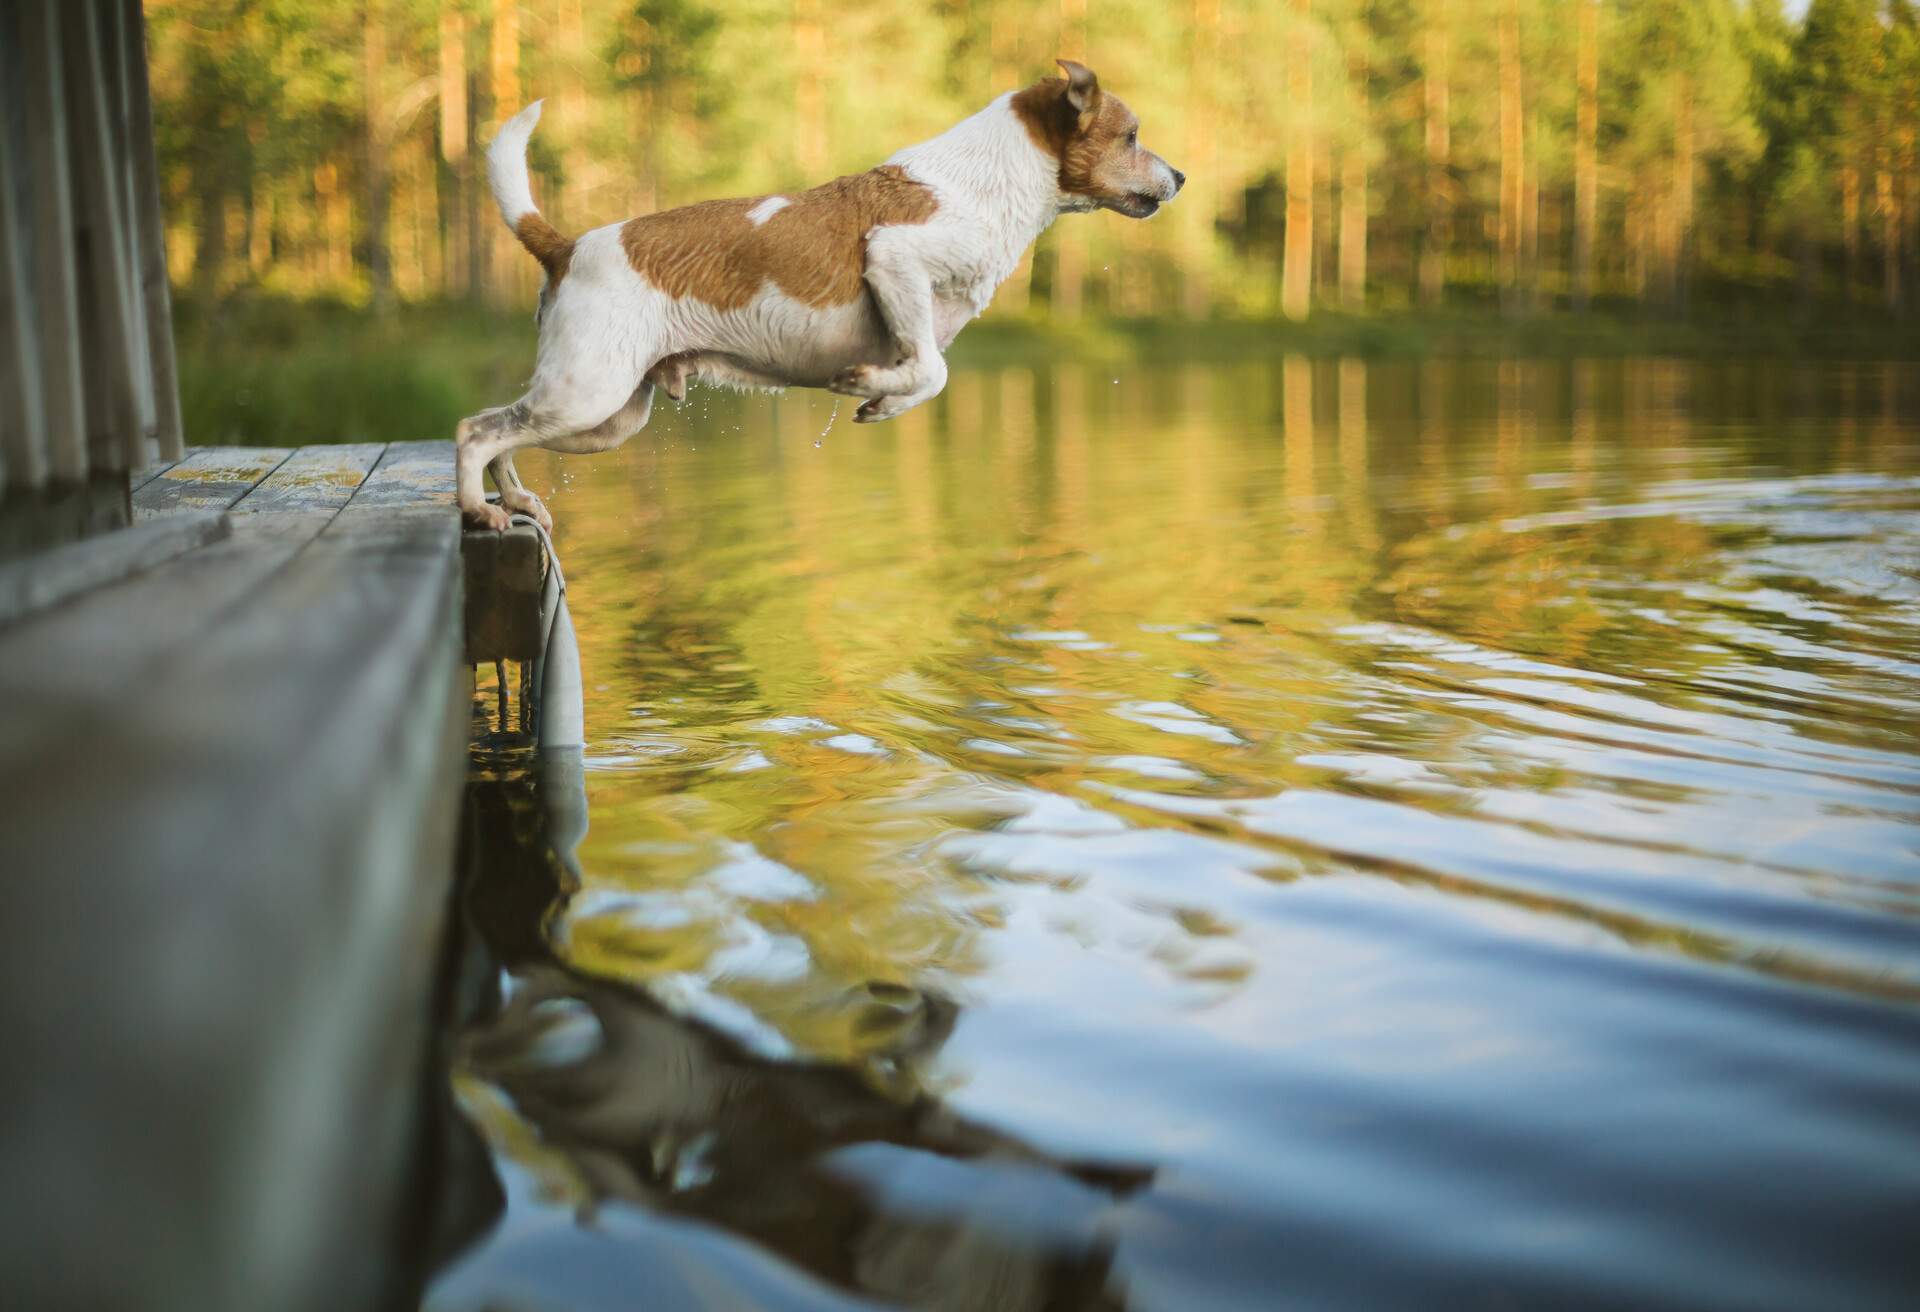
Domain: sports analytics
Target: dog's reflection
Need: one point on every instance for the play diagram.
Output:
(888, 1194)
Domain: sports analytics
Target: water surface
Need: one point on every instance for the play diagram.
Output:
(1308, 834)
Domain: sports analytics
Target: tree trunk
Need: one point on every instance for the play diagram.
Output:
(1353, 229)
(1069, 271)
(1512, 156)
(453, 147)
(1586, 158)
(260, 228)
(503, 61)
(1679, 255)
(646, 193)
(1353, 197)
(1639, 222)
(337, 220)
(504, 68)
(1296, 273)
(1070, 239)
(1889, 204)
(579, 167)
(1003, 49)
(210, 248)
(377, 165)
(1530, 221)
(1433, 251)
(1199, 211)
(1326, 251)
(1909, 207)
(432, 251)
(472, 222)
(1809, 271)
(1850, 223)
(809, 91)
(1889, 241)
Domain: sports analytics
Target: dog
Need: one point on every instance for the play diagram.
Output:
(858, 285)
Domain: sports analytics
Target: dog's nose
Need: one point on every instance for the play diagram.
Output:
(1179, 179)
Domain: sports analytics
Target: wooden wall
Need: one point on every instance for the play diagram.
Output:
(87, 384)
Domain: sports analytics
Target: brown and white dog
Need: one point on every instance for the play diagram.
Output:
(857, 286)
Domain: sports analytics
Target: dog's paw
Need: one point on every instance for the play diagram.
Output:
(879, 408)
(526, 503)
(670, 376)
(856, 380)
(486, 515)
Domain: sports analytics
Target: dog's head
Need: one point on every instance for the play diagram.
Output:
(1096, 138)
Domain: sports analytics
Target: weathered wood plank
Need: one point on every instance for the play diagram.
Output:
(145, 475)
(257, 837)
(312, 478)
(152, 262)
(51, 577)
(118, 360)
(56, 323)
(34, 519)
(23, 422)
(210, 478)
(135, 630)
(505, 573)
(413, 474)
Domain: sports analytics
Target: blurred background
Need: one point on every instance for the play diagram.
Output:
(1398, 176)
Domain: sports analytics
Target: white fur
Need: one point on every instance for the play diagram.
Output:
(606, 328)
(766, 209)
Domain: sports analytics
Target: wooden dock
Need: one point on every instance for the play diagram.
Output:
(232, 746)
(233, 758)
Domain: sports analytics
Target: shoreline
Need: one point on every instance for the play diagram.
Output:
(277, 370)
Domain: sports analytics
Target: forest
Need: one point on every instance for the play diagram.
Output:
(1370, 156)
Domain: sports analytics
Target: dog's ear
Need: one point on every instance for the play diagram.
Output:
(1083, 89)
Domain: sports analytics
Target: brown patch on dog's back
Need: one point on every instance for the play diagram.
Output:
(813, 248)
(544, 242)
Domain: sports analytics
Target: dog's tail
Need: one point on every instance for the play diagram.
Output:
(513, 192)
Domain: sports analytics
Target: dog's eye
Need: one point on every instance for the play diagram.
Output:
(1133, 138)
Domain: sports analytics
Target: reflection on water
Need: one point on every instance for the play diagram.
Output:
(600, 1097)
(1317, 833)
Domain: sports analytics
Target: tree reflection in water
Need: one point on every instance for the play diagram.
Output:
(606, 1100)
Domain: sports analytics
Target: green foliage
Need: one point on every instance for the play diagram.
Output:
(1729, 134)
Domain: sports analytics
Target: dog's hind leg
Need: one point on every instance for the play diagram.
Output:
(903, 290)
(611, 431)
(548, 417)
(514, 497)
(478, 441)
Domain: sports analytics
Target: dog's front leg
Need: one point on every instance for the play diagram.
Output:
(514, 497)
(903, 291)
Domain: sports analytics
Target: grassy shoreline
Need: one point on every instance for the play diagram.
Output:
(275, 371)
(1451, 334)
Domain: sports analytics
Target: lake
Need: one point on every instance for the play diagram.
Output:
(1306, 833)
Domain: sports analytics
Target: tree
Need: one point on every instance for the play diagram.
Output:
(1354, 152)
(1682, 98)
(660, 56)
(1834, 61)
(1437, 103)
(1444, 147)
(1296, 285)
(1586, 167)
